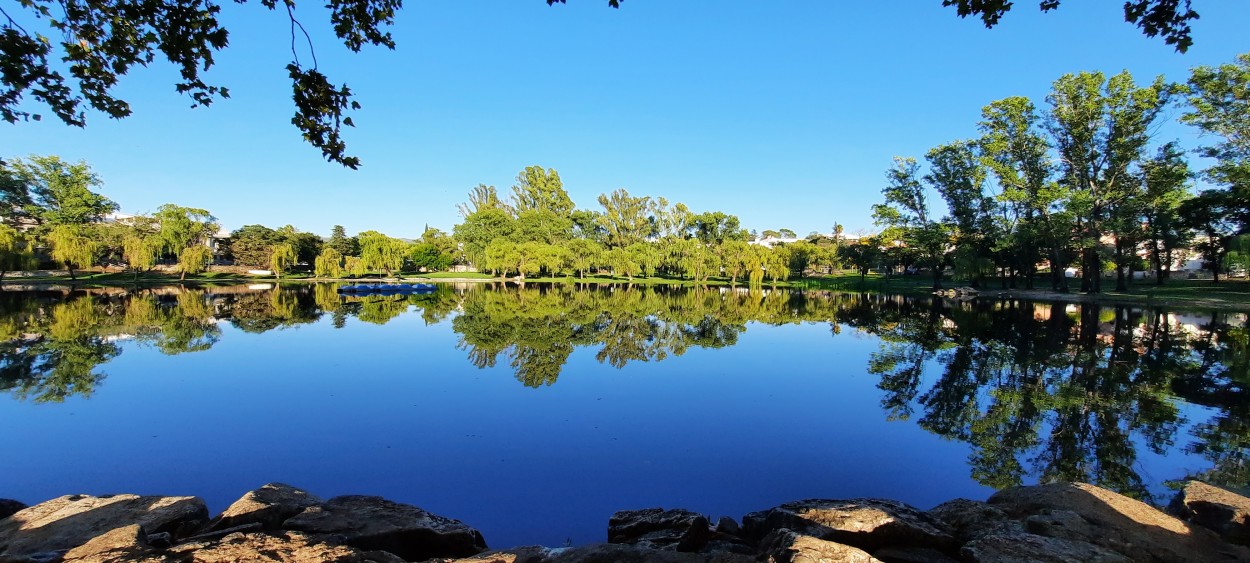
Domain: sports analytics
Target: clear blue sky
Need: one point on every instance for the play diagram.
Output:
(786, 114)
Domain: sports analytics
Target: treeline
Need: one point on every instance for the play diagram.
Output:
(48, 212)
(1079, 184)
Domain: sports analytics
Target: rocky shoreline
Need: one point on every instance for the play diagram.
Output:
(1056, 522)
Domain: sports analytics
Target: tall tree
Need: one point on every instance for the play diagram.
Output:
(74, 246)
(61, 191)
(15, 251)
(380, 252)
(1169, 19)
(340, 242)
(1166, 181)
(481, 197)
(537, 188)
(1211, 213)
(1101, 127)
(282, 258)
(1220, 105)
(625, 219)
(181, 227)
(251, 245)
(480, 229)
(907, 217)
(957, 173)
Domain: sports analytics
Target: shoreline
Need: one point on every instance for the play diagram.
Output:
(278, 522)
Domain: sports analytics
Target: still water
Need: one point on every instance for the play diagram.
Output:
(534, 413)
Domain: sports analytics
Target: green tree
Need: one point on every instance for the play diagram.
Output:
(542, 225)
(181, 227)
(480, 229)
(194, 260)
(15, 201)
(61, 192)
(862, 255)
(141, 252)
(735, 258)
(1166, 181)
(329, 263)
(341, 243)
(957, 173)
(281, 259)
(1220, 106)
(15, 251)
(906, 216)
(481, 197)
(646, 256)
(1101, 127)
(538, 189)
(625, 218)
(380, 252)
(74, 246)
(584, 255)
(252, 245)
(1211, 213)
(623, 263)
(715, 227)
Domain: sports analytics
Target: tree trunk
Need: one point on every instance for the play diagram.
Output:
(1120, 284)
(937, 278)
(71, 272)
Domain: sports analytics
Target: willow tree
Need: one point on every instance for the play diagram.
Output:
(193, 260)
(15, 251)
(329, 263)
(73, 246)
(625, 218)
(181, 227)
(140, 253)
(380, 252)
(282, 258)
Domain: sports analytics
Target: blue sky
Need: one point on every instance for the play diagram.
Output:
(786, 114)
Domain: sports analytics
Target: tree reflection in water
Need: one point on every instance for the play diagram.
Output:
(1039, 391)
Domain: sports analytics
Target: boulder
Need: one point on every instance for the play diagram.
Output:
(599, 553)
(268, 506)
(674, 530)
(119, 544)
(912, 555)
(787, 546)
(864, 523)
(9, 506)
(1031, 548)
(71, 521)
(374, 523)
(1112, 521)
(1225, 512)
(289, 547)
(971, 519)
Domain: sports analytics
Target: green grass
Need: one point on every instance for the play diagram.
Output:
(1232, 291)
(450, 275)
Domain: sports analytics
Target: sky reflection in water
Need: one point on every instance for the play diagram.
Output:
(714, 400)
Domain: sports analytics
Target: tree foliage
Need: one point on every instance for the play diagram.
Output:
(1169, 19)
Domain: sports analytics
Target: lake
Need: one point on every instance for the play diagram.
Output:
(534, 413)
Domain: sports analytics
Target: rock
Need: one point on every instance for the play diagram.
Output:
(676, 530)
(162, 539)
(119, 544)
(371, 523)
(9, 506)
(71, 521)
(1225, 512)
(727, 525)
(215, 534)
(269, 506)
(971, 519)
(289, 547)
(599, 553)
(864, 523)
(911, 555)
(786, 546)
(1031, 548)
(1113, 521)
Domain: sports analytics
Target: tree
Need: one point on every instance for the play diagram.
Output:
(193, 260)
(61, 192)
(1166, 182)
(715, 227)
(646, 256)
(787, 233)
(735, 258)
(181, 227)
(625, 219)
(1220, 105)
(957, 173)
(140, 252)
(339, 242)
(281, 259)
(1211, 214)
(480, 229)
(73, 246)
(906, 216)
(584, 255)
(252, 245)
(15, 251)
(380, 252)
(862, 255)
(481, 197)
(536, 188)
(1167, 18)
(329, 264)
(307, 245)
(1101, 127)
(15, 199)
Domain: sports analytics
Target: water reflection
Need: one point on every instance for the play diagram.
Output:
(1038, 391)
